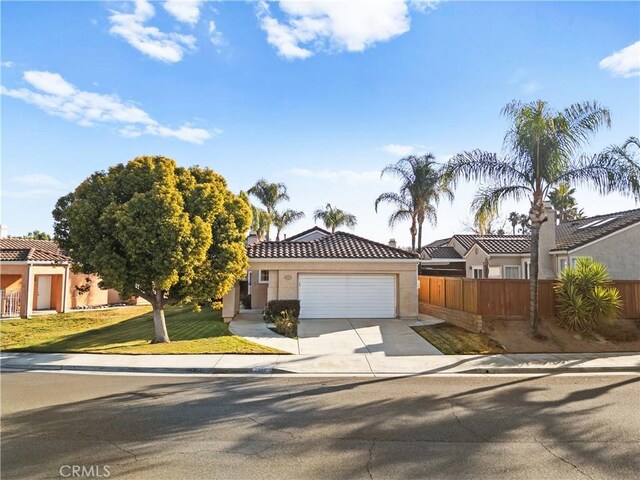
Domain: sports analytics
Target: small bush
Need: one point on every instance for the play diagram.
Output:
(585, 297)
(246, 302)
(286, 325)
(276, 307)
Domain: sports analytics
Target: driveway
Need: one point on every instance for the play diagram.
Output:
(389, 337)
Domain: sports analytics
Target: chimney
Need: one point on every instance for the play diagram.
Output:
(252, 238)
(547, 243)
(392, 243)
(4, 231)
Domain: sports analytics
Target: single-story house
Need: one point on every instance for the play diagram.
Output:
(334, 275)
(613, 239)
(36, 278)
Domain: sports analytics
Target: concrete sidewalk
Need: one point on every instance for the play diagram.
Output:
(350, 365)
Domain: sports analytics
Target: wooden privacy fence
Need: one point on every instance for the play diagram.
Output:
(506, 298)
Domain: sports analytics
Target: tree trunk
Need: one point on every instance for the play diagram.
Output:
(419, 236)
(533, 278)
(161, 334)
(278, 235)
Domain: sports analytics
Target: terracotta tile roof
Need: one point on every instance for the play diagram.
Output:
(504, 244)
(574, 234)
(441, 252)
(26, 250)
(334, 245)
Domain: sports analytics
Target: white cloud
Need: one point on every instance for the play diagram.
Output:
(349, 176)
(423, 6)
(34, 185)
(315, 25)
(186, 11)
(399, 150)
(623, 63)
(166, 47)
(6, 64)
(57, 97)
(214, 34)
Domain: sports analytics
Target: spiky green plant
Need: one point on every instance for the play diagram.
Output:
(585, 297)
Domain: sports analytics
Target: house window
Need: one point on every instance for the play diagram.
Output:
(264, 276)
(525, 269)
(477, 272)
(511, 271)
(574, 260)
(562, 264)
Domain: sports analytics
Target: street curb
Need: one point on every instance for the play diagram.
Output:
(280, 371)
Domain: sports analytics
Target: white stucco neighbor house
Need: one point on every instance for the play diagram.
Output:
(334, 275)
(613, 239)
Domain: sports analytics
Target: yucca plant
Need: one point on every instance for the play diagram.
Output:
(586, 297)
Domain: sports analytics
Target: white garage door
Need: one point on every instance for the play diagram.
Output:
(347, 296)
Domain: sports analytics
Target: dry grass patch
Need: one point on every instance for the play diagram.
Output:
(452, 340)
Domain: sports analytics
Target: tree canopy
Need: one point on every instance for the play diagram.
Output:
(333, 217)
(152, 229)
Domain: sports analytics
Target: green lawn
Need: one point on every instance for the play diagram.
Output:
(452, 340)
(124, 330)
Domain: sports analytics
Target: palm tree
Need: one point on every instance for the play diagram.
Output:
(282, 220)
(404, 210)
(627, 157)
(422, 182)
(270, 195)
(514, 218)
(333, 218)
(525, 224)
(563, 202)
(540, 151)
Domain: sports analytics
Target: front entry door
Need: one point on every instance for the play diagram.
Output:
(44, 292)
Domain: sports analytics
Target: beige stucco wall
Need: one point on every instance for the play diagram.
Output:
(28, 290)
(283, 279)
(620, 252)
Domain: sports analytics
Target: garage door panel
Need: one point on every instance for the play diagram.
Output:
(347, 296)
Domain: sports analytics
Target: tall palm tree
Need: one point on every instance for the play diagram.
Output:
(422, 182)
(282, 220)
(333, 218)
(514, 218)
(563, 202)
(525, 224)
(540, 151)
(270, 195)
(404, 210)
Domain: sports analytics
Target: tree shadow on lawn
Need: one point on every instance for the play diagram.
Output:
(183, 324)
(364, 431)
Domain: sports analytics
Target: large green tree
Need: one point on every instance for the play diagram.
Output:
(541, 150)
(38, 235)
(332, 217)
(152, 229)
(270, 195)
(422, 183)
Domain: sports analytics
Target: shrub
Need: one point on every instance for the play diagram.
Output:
(585, 296)
(275, 307)
(286, 325)
(246, 302)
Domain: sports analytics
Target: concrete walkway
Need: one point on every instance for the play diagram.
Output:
(387, 337)
(362, 364)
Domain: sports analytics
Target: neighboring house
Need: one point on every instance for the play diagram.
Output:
(613, 239)
(334, 275)
(36, 277)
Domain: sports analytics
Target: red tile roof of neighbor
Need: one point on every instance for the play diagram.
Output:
(27, 250)
(338, 245)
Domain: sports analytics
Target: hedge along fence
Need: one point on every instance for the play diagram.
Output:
(505, 298)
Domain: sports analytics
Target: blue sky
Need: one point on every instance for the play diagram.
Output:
(318, 95)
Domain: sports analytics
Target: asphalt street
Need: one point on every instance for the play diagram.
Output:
(475, 427)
